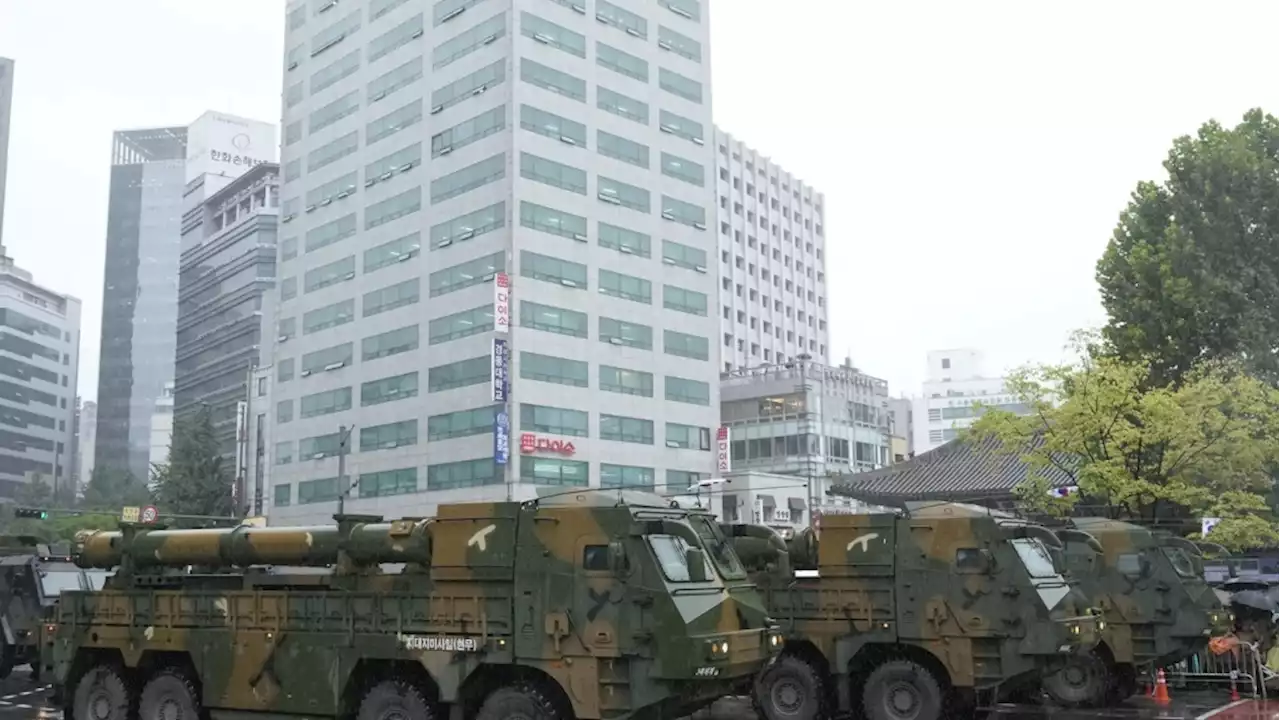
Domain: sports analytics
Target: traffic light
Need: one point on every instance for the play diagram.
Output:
(36, 513)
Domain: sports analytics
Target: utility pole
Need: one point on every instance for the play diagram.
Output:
(344, 435)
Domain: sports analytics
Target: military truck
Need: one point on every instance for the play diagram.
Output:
(32, 575)
(578, 605)
(1156, 605)
(902, 615)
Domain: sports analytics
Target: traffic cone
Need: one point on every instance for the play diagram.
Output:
(1162, 689)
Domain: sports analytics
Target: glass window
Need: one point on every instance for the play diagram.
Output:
(464, 474)
(719, 549)
(625, 381)
(626, 287)
(392, 342)
(463, 373)
(317, 491)
(570, 132)
(685, 345)
(294, 94)
(685, 301)
(551, 471)
(446, 10)
(682, 169)
(1182, 562)
(336, 189)
(334, 34)
(622, 105)
(625, 20)
(688, 437)
(314, 448)
(620, 148)
(553, 35)
(284, 452)
(469, 131)
(546, 368)
(393, 122)
(467, 42)
(297, 17)
(390, 253)
(286, 329)
(469, 178)
(684, 390)
(325, 403)
(691, 9)
(389, 482)
(670, 552)
(682, 480)
(288, 249)
(282, 494)
(679, 85)
(284, 370)
(553, 80)
(459, 325)
(332, 152)
(627, 242)
(626, 476)
(463, 423)
(626, 429)
(550, 172)
(331, 232)
(680, 255)
(389, 389)
(395, 38)
(466, 274)
(378, 8)
(553, 319)
(296, 55)
(330, 274)
(335, 71)
(682, 45)
(553, 270)
(469, 86)
(329, 316)
(616, 192)
(684, 213)
(331, 113)
(629, 334)
(553, 420)
(330, 358)
(402, 160)
(1035, 557)
(389, 436)
(393, 208)
(623, 63)
(289, 288)
(553, 222)
(391, 297)
(284, 411)
(392, 80)
(468, 226)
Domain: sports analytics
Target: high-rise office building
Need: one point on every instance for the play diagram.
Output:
(773, 284)
(6, 104)
(471, 175)
(39, 354)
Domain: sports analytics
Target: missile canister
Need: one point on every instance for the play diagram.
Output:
(401, 541)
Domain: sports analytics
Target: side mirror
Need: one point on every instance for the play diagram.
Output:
(697, 563)
(618, 558)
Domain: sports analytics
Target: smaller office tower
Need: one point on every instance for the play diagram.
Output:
(773, 280)
(39, 354)
(86, 440)
(955, 393)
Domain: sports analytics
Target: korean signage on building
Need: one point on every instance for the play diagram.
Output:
(723, 463)
(501, 302)
(532, 443)
(501, 438)
(228, 146)
(500, 375)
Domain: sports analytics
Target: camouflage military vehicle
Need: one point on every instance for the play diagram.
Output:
(579, 605)
(1157, 607)
(901, 616)
(32, 576)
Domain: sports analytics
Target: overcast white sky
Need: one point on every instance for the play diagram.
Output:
(974, 155)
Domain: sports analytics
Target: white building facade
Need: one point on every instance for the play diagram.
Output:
(475, 190)
(772, 243)
(955, 386)
(161, 428)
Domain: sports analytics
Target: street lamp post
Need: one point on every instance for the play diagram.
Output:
(344, 435)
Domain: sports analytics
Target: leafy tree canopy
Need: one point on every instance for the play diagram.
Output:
(1190, 273)
(1207, 445)
(110, 490)
(196, 480)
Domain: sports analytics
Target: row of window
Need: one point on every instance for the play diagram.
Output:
(482, 472)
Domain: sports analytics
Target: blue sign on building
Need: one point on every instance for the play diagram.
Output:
(501, 438)
(500, 370)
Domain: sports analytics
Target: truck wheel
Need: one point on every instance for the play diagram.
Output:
(521, 702)
(394, 699)
(902, 690)
(8, 657)
(791, 689)
(168, 695)
(102, 694)
(1082, 683)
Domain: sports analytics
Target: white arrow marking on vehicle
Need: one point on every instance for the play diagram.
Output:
(480, 538)
(864, 540)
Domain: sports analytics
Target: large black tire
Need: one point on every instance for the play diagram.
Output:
(902, 690)
(394, 699)
(8, 658)
(1123, 685)
(1083, 683)
(790, 689)
(520, 702)
(102, 694)
(169, 695)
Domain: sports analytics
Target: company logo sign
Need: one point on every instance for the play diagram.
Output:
(501, 302)
(531, 443)
(723, 463)
(500, 375)
(502, 438)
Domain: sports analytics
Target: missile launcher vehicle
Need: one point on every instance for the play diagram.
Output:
(583, 604)
(907, 616)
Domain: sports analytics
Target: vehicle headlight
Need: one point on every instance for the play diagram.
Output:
(1102, 625)
(718, 648)
(775, 641)
(1075, 629)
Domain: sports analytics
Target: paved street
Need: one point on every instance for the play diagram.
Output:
(20, 698)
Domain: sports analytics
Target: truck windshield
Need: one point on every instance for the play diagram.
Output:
(53, 582)
(721, 550)
(670, 552)
(1181, 561)
(1035, 557)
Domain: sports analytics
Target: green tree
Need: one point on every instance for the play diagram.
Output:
(1191, 270)
(196, 480)
(1205, 446)
(110, 490)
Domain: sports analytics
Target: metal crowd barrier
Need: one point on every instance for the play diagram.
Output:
(1228, 663)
